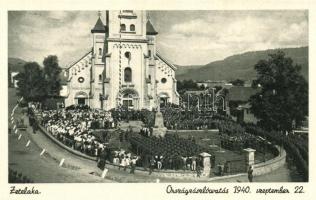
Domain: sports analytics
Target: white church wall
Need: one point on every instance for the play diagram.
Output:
(98, 47)
(119, 62)
(164, 72)
(97, 86)
(79, 79)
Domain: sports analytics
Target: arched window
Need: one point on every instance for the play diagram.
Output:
(132, 27)
(128, 74)
(100, 77)
(100, 51)
(123, 27)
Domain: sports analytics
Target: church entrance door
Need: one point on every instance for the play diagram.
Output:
(81, 101)
(163, 100)
(129, 99)
(81, 98)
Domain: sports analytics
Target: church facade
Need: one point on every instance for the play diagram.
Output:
(123, 67)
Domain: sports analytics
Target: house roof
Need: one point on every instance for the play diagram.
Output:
(150, 30)
(240, 93)
(244, 106)
(98, 27)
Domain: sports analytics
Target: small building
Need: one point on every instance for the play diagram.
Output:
(244, 114)
(238, 102)
(211, 84)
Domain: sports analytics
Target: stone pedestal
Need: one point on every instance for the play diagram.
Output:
(249, 157)
(206, 163)
(159, 128)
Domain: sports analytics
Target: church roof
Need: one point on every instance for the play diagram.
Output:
(150, 30)
(74, 63)
(98, 27)
(158, 55)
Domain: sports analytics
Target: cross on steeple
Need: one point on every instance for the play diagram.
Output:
(99, 13)
(147, 16)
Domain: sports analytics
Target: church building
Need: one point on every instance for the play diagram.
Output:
(123, 67)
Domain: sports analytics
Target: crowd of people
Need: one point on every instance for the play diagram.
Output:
(170, 152)
(146, 116)
(120, 158)
(176, 119)
(125, 160)
(74, 127)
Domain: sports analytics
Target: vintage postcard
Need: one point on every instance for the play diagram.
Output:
(202, 100)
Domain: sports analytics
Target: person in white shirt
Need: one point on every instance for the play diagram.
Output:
(123, 164)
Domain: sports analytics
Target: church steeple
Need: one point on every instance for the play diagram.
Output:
(150, 30)
(99, 26)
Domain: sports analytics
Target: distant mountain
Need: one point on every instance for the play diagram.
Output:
(240, 66)
(16, 64)
(184, 69)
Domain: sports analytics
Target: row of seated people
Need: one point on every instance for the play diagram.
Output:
(74, 127)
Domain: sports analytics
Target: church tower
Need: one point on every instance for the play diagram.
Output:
(126, 65)
(123, 67)
(97, 63)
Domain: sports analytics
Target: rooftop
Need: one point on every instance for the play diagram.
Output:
(240, 93)
(150, 29)
(98, 27)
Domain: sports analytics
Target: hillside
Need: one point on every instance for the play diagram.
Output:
(184, 69)
(16, 64)
(241, 66)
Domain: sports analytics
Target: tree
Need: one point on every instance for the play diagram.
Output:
(202, 87)
(51, 74)
(283, 98)
(217, 88)
(31, 83)
(186, 85)
(238, 82)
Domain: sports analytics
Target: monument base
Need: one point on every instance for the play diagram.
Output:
(159, 132)
(159, 128)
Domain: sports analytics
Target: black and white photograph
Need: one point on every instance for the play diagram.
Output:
(158, 96)
(156, 99)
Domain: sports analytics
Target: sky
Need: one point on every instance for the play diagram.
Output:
(184, 37)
